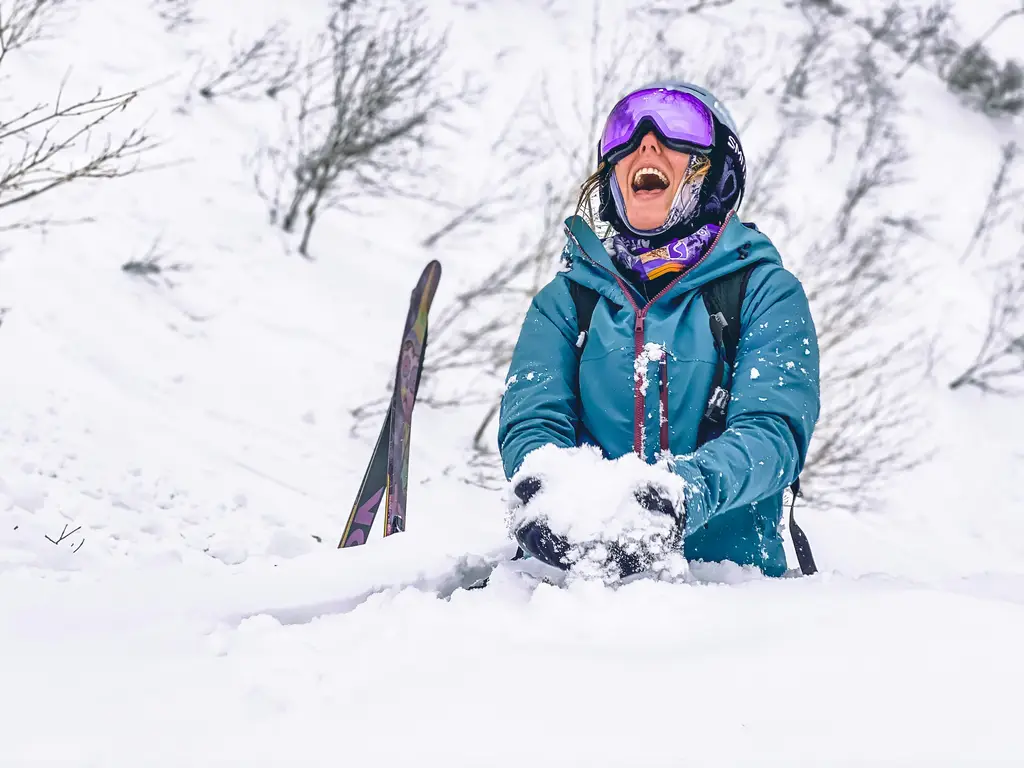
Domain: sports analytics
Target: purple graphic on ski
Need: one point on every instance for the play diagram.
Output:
(407, 381)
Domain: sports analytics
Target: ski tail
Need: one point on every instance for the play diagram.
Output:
(371, 491)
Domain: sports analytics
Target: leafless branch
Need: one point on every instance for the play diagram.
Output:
(928, 33)
(46, 145)
(263, 67)
(44, 225)
(498, 198)
(176, 13)
(23, 22)
(998, 367)
(813, 44)
(672, 10)
(49, 145)
(1000, 202)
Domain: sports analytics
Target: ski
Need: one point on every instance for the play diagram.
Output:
(387, 475)
(407, 382)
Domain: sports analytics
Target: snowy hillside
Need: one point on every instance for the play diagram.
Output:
(181, 440)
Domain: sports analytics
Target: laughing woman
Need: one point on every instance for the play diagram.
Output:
(729, 399)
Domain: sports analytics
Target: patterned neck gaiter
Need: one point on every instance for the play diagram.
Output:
(636, 255)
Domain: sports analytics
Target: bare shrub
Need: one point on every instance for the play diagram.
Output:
(49, 144)
(976, 47)
(998, 367)
(926, 35)
(176, 13)
(996, 89)
(918, 35)
(813, 46)
(1001, 201)
(24, 21)
(152, 264)
(262, 67)
(367, 93)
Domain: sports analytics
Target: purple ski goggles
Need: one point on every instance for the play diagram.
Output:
(681, 120)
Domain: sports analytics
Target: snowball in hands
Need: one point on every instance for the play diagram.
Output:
(591, 502)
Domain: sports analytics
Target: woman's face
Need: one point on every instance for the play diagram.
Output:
(649, 178)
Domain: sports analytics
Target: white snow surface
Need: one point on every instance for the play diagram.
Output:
(176, 466)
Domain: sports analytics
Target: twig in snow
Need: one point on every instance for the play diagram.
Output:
(152, 263)
(66, 534)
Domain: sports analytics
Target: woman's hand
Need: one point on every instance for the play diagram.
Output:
(638, 556)
(627, 557)
(535, 538)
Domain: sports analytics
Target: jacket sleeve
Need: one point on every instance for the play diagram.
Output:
(540, 405)
(774, 407)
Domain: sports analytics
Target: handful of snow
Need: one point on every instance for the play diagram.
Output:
(591, 502)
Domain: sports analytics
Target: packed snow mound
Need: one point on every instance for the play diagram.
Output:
(591, 502)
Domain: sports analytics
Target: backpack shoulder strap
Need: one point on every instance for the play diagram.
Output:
(585, 300)
(723, 299)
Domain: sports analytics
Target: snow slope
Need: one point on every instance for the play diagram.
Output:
(191, 431)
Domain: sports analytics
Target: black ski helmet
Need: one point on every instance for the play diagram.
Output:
(723, 187)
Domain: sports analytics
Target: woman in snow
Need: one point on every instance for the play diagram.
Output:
(725, 398)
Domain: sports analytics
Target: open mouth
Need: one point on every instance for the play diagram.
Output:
(648, 181)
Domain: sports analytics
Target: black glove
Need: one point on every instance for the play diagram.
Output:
(534, 537)
(652, 498)
(636, 557)
(527, 488)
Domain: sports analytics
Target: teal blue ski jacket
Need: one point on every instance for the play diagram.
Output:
(734, 482)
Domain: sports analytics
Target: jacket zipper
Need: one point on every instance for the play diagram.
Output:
(663, 410)
(638, 346)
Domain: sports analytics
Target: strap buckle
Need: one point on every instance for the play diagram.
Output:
(717, 404)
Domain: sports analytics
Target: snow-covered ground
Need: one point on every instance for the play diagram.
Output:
(190, 433)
